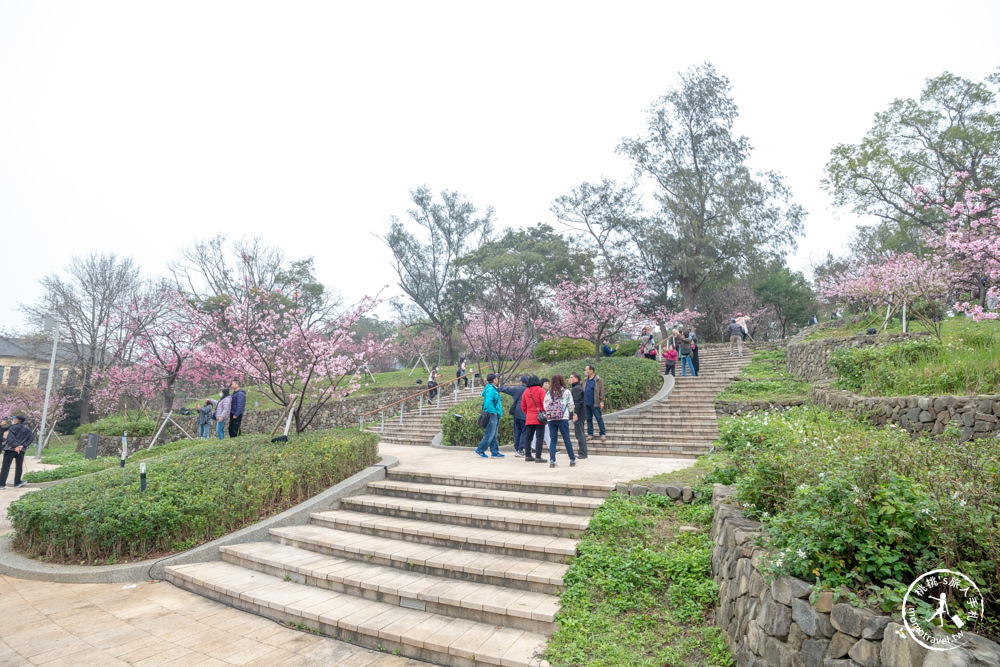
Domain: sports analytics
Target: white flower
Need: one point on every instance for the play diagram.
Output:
(765, 515)
(778, 562)
(802, 487)
(925, 511)
(901, 632)
(961, 502)
(801, 553)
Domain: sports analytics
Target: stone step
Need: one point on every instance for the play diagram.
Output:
(587, 489)
(541, 576)
(664, 452)
(472, 516)
(483, 603)
(378, 625)
(483, 540)
(516, 500)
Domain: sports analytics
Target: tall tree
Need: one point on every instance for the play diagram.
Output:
(518, 269)
(954, 128)
(426, 264)
(215, 270)
(715, 215)
(599, 216)
(85, 302)
(788, 293)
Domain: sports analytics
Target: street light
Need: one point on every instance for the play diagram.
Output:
(53, 324)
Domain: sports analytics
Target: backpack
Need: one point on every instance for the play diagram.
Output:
(556, 408)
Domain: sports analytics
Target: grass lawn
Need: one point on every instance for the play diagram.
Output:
(966, 361)
(767, 381)
(641, 591)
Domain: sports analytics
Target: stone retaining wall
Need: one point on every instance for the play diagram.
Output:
(750, 407)
(335, 414)
(975, 416)
(785, 622)
(811, 360)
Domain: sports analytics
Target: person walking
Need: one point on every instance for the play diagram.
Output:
(205, 414)
(532, 403)
(735, 333)
(432, 381)
(517, 413)
(559, 411)
(743, 321)
(685, 355)
(576, 389)
(670, 361)
(492, 405)
(462, 373)
(593, 401)
(16, 443)
(236, 411)
(222, 409)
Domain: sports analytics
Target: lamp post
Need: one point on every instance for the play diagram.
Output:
(53, 324)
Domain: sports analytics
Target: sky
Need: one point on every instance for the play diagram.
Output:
(140, 127)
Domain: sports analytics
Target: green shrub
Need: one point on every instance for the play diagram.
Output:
(966, 362)
(553, 350)
(78, 466)
(118, 423)
(639, 593)
(195, 494)
(465, 432)
(768, 365)
(627, 380)
(864, 507)
(627, 348)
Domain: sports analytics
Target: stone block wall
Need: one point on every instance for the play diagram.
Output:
(335, 414)
(750, 407)
(975, 416)
(784, 622)
(811, 360)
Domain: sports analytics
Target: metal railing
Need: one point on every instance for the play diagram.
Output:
(421, 394)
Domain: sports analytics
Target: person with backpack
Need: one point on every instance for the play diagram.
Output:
(558, 404)
(685, 354)
(517, 413)
(533, 406)
(491, 404)
(735, 333)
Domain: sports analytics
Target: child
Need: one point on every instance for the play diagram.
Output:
(671, 355)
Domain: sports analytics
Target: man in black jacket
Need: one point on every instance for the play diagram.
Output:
(19, 437)
(576, 389)
(517, 413)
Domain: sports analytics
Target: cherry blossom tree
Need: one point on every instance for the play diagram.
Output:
(501, 336)
(597, 309)
(265, 339)
(163, 340)
(970, 245)
(897, 284)
(28, 402)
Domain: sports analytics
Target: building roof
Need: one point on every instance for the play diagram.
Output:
(38, 349)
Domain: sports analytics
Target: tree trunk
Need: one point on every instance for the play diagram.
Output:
(688, 293)
(597, 351)
(450, 347)
(169, 394)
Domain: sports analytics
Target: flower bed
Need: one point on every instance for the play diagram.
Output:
(195, 494)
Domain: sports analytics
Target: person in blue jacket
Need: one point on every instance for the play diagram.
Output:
(236, 411)
(491, 404)
(517, 413)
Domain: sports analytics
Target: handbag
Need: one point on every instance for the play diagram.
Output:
(541, 417)
(484, 419)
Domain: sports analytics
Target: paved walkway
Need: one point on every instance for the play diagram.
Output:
(155, 623)
(10, 494)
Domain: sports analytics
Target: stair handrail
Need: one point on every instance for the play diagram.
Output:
(421, 394)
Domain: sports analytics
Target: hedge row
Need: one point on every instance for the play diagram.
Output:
(465, 432)
(627, 381)
(80, 467)
(553, 350)
(194, 495)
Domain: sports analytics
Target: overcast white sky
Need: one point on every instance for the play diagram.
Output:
(138, 127)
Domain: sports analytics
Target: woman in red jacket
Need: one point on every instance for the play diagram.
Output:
(533, 402)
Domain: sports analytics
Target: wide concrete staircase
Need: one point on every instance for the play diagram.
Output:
(452, 570)
(418, 426)
(682, 425)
